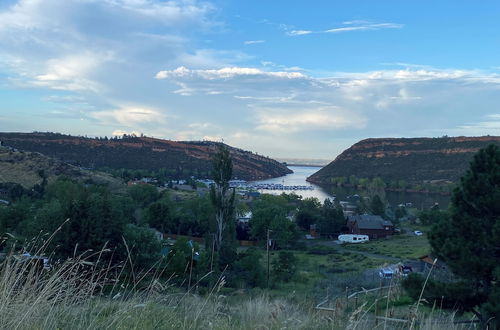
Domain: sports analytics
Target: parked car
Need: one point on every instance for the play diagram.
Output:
(418, 233)
(386, 273)
(405, 270)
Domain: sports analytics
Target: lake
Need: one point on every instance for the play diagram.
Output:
(300, 173)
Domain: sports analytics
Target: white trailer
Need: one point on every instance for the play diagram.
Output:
(353, 238)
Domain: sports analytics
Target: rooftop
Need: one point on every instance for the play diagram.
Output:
(367, 221)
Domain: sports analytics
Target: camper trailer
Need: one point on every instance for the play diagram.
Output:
(353, 238)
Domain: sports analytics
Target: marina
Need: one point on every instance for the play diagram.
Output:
(278, 186)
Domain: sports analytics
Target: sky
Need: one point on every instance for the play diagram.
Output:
(303, 79)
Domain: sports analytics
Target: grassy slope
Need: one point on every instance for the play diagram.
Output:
(180, 159)
(24, 167)
(67, 298)
(400, 246)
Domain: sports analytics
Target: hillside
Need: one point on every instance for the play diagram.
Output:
(415, 160)
(27, 168)
(181, 159)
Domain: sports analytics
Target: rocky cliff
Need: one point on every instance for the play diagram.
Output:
(414, 160)
(179, 158)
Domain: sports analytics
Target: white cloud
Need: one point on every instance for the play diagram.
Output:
(213, 138)
(365, 27)
(308, 119)
(489, 124)
(87, 45)
(201, 126)
(71, 72)
(41, 14)
(299, 32)
(253, 42)
(225, 73)
(411, 102)
(120, 132)
(129, 116)
(350, 26)
(97, 60)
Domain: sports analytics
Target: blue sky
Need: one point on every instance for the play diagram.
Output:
(283, 78)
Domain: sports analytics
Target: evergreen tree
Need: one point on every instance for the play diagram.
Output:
(332, 218)
(469, 241)
(377, 206)
(285, 266)
(309, 213)
(159, 216)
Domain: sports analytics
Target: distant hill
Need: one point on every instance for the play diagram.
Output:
(303, 161)
(27, 168)
(181, 159)
(414, 160)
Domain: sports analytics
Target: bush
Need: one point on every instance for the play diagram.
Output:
(402, 301)
(454, 295)
(321, 250)
(285, 266)
(247, 270)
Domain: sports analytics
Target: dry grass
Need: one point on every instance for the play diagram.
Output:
(79, 294)
(23, 168)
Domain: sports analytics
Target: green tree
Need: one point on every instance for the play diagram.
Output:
(223, 201)
(182, 257)
(400, 213)
(458, 295)
(308, 213)
(332, 218)
(161, 216)
(92, 221)
(377, 206)
(195, 215)
(285, 266)
(144, 246)
(468, 240)
(284, 232)
(248, 270)
(377, 187)
(432, 216)
(143, 194)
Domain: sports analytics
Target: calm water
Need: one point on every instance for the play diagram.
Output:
(300, 173)
(298, 178)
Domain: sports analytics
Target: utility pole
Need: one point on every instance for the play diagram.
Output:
(213, 251)
(267, 246)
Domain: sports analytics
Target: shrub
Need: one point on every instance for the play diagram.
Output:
(321, 250)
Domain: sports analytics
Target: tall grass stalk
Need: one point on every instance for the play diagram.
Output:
(87, 292)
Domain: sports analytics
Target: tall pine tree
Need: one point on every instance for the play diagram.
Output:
(469, 241)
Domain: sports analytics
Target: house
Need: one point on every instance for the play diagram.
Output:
(372, 225)
(245, 218)
(4, 193)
